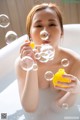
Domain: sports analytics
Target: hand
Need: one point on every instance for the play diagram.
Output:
(73, 86)
(26, 50)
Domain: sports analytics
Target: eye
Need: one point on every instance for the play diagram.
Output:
(38, 26)
(52, 24)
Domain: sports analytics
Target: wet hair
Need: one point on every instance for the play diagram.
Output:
(41, 7)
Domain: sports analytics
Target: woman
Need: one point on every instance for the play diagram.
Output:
(32, 84)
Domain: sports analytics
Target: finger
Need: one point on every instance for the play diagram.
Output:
(71, 89)
(59, 88)
(67, 89)
(27, 41)
(27, 48)
(69, 76)
(25, 51)
(66, 84)
(24, 45)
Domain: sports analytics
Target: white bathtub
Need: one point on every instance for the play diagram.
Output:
(9, 97)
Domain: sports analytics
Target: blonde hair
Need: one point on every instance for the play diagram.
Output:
(40, 7)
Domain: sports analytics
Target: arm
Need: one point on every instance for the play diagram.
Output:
(28, 87)
(27, 81)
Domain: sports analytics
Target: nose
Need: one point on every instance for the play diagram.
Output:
(46, 29)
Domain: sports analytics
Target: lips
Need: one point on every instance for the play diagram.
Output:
(46, 42)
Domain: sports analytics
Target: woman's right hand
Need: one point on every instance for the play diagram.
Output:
(26, 50)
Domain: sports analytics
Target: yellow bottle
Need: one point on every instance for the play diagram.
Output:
(58, 77)
(32, 45)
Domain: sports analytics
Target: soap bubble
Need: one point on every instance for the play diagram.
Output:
(47, 52)
(44, 35)
(27, 63)
(43, 59)
(48, 75)
(65, 106)
(44, 53)
(37, 55)
(65, 62)
(10, 37)
(35, 67)
(4, 21)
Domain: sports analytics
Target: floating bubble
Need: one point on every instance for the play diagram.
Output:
(65, 106)
(65, 62)
(27, 63)
(10, 37)
(35, 67)
(48, 75)
(4, 21)
(44, 55)
(47, 52)
(42, 58)
(38, 47)
(50, 54)
(45, 47)
(44, 35)
(37, 56)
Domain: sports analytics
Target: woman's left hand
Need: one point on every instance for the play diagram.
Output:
(73, 86)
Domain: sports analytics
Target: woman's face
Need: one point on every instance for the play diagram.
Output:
(45, 19)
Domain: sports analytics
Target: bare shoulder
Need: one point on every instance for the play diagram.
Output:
(75, 58)
(71, 54)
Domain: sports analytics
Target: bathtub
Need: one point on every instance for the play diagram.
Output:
(10, 105)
